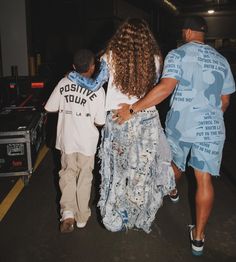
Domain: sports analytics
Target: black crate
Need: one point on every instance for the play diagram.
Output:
(21, 136)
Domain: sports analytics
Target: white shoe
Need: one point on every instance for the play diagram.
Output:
(67, 214)
(81, 225)
(197, 245)
(174, 197)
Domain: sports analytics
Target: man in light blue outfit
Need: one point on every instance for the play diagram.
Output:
(201, 82)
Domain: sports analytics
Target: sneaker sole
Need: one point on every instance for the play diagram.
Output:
(195, 252)
(81, 225)
(174, 200)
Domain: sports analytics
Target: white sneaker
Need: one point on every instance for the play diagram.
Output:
(67, 214)
(197, 245)
(174, 197)
(81, 225)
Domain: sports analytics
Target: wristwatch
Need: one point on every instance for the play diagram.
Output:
(131, 110)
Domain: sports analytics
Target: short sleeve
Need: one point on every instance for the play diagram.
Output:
(157, 65)
(53, 102)
(172, 66)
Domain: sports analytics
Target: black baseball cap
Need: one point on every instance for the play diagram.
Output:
(195, 23)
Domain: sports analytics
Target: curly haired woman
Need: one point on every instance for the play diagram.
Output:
(135, 157)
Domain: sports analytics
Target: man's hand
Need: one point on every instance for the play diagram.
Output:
(122, 114)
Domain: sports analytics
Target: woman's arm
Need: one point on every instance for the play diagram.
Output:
(89, 83)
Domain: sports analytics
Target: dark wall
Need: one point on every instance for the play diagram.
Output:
(168, 30)
(59, 27)
(222, 26)
(219, 26)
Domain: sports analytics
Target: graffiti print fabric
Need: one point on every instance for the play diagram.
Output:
(204, 75)
(135, 171)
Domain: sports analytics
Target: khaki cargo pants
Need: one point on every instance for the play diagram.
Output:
(75, 183)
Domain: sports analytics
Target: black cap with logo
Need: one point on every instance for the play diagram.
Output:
(195, 23)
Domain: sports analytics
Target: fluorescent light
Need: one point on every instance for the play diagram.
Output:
(171, 5)
(211, 11)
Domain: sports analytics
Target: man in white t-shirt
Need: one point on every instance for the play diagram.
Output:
(80, 110)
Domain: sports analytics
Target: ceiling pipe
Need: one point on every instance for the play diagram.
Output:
(170, 6)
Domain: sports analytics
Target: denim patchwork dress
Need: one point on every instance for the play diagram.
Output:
(136, 171)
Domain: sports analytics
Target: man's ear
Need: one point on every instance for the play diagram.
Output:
(188, 33)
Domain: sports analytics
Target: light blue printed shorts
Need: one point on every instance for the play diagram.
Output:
(203, 156)
(136, 171)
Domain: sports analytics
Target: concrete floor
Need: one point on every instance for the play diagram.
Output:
(29, 232)
(30, 229)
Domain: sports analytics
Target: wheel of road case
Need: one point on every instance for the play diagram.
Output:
(26, 179)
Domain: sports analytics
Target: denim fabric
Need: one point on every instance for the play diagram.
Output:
(196, 108)
(202, 156)
(88, 83)
(135, 171)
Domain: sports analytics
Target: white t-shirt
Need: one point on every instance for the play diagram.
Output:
(79, 109)
(114, 97)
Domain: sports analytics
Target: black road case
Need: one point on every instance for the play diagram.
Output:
(21, 136)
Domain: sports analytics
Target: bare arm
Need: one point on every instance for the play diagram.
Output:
(159, 93)
(225, 102)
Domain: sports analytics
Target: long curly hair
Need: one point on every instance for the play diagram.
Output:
(134, 49)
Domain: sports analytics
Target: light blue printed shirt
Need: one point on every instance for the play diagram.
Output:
(204, 76)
